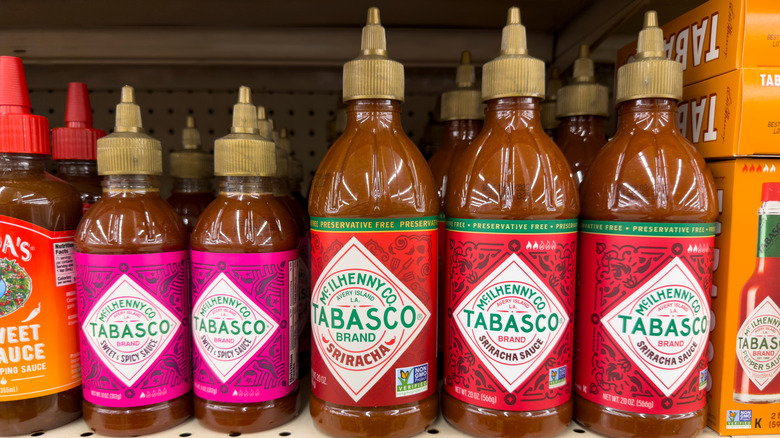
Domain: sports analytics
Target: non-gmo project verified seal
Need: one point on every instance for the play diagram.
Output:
(412, 380)
(739, 419)
(557, 377)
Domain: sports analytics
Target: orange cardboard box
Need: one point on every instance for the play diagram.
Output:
(720, 36)
(734, 114)
(739, 187)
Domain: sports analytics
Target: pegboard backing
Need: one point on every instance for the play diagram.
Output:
(305, 114)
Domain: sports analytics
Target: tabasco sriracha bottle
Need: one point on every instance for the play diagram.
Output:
(758, 339)
(374, 210)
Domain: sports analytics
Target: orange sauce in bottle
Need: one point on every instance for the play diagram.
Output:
(37, 214)
(131, 253)
(647, 208)
(191, 169)
(238, 246)
(511, 207)
(373, 208)
(462, 113)
(582, 108)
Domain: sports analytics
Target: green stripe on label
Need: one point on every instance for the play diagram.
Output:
(512, 226)
(374, 225)
(656, 229)
(768, 244)
(442, 217)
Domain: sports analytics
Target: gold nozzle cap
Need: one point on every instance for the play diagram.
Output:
(283, 149)
(513, 73)
(128, 150)
(583, 97)
(244, 152)
(373, 75)
(464, 102)
(547, 113)
(191, 161)
(650, 74)
(264, 125)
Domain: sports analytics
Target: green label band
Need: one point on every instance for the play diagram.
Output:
(650, 229)
(442, 217)
(374, 225)
(768, 244)
(512, 226)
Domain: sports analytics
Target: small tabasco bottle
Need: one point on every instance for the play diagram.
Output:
(582, 108)
(550, 122)
(132, 268)
(374, 210)
(462, 113)
(645, 263)
(191, 169)
(74, 146)
(244, 275)
(39, 384)
(758, 338)
(511, 207)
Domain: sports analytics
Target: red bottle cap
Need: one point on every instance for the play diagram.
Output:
(78, 139)
(770, 192)
(20, 131)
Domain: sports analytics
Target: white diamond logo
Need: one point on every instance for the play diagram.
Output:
(757, 339)
(129, 328)
(228, 328)
(512, 321)
(363, 318)
(663, 325)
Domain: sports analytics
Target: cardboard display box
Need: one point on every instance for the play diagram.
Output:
(739, 184)
(720, 36)
(734, 114)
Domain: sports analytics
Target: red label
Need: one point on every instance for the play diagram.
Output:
(509, 312)
(643, 315)
(373, 310)
(39, 347)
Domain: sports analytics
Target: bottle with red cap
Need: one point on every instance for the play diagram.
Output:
(758, 338)
(74, 146)
(38, 219)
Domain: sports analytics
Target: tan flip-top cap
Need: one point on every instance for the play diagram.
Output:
(373, 75)
(296, 169)
(464, 102)
(128, 150)
(514, 73)
(650, 74)
(265, 125)
(244, 152)
(549, 121)
(191, 162)
(583, 97)
(283, 154)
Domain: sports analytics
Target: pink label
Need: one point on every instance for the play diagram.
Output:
(244, 325)
(133, 316)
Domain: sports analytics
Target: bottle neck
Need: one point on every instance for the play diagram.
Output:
(191, 185)
(20, 166)
(374, 114)
(246, 185)
(281, 186)
(514, 114)
(77, 168)
(582, 126)
(768, 242)
(652, 114)
(464, 130)
(130, 185)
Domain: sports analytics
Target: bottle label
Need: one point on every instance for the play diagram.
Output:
(244, 325)
(758, 343)
(509, 312)
(304, 286)
(768, 236)
(643, 315)
(39, 350)
(442, 226)
(372, 310)
(135, 343)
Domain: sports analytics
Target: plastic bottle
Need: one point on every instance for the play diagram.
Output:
(549, 120)
(511, 207)
(133, 291)
(191, 169)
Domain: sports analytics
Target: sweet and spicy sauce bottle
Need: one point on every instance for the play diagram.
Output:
(511, 208)
(374, 209)
(191, 169)
(132, 262)
(645, 263)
